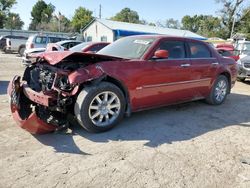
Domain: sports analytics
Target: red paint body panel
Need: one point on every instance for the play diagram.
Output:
(32, 123)
(85, 74)
(36, 97)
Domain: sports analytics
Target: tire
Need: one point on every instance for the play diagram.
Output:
(241, 79)
(4, 49)
(21, 51)
(94, 109)
(219, 91)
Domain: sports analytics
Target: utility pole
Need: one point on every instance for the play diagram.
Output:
(100, 11)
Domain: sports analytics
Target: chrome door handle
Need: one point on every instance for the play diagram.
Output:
(215, 63)
(185, 65)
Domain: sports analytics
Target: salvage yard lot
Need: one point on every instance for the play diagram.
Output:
(187, 145)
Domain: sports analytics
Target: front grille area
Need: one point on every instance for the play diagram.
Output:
(247, 65)
(39, 78)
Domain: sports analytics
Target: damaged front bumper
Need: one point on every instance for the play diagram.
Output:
(23, 114)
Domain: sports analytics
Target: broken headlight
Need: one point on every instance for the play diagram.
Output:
(63, 83)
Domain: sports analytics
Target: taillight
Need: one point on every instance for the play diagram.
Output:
(31, 45)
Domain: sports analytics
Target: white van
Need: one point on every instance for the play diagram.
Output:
(41, 41)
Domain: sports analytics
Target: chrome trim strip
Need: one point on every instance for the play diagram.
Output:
(170, 84)
(181, 59)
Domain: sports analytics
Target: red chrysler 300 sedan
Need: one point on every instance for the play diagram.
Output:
(132, 74)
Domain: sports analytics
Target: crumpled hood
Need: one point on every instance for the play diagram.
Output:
(56, 57)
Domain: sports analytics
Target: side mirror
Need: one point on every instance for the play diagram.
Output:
(161, 54)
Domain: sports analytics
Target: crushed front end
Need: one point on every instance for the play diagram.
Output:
(43, 99)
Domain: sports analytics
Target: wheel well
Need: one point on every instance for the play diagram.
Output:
(118, 84)
(20, 47)
(228, 78)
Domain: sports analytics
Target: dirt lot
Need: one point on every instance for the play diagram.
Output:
(189, 145)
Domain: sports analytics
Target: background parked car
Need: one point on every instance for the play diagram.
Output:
(243, 63)
(12, 43)
(92, 47)
(2, 42)
(59, 46)
(228, 50)
(41, 41)
(243, 67)
(16, 45)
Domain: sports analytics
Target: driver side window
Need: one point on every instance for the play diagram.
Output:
(176, 49)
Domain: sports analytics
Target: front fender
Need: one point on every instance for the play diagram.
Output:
(85, 74)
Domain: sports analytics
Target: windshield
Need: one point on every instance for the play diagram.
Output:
(243, 48)
(128, 47)
(79, 47)
(246, 47)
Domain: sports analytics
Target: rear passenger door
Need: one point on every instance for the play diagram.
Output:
(203, 67)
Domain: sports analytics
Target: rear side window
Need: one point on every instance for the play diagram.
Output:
(41, 40)
(176, 49)
(198, 50)
(98, 47)
(226, 53)
(54, 39)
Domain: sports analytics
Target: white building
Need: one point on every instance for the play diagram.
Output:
(108, 30)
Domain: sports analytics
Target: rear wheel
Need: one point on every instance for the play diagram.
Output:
(219, 91)
(21, 51)
(99, 108)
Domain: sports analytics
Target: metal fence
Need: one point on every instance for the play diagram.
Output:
(26, 33)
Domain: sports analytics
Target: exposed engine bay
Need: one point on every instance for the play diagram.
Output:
(52, 81)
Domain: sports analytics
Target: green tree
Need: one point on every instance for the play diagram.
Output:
(41, 13)
(81, 18)
(244, 24)
(206, 25)
(191, 23)
(151, 24)
(231, 9)
(13, 21)
(127, 15)
(57, 23)
(210, 26)
(169, 23)
(5, 6)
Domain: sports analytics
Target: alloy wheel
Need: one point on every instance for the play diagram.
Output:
(221, 90)
(104, 109)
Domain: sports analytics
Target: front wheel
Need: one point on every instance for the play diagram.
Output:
(219, 91)
(99, 108)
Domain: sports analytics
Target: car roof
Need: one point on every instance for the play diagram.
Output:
(66, 41)
(166, 37)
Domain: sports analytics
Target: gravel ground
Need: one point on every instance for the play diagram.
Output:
(188, 145)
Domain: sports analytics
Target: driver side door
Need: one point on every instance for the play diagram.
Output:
(169, 80)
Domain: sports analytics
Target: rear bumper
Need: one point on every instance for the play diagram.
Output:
(27, 119)
(243, 72)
